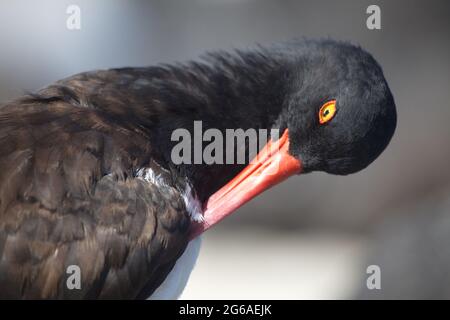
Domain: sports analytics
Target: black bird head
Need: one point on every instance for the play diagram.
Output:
(339, 110)
(336, 112)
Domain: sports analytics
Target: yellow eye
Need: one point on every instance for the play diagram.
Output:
(327, 112)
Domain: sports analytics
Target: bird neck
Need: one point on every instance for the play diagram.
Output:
(242, 91)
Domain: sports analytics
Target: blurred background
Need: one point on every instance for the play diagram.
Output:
(315, 235)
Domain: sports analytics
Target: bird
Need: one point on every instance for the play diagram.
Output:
(86, 171)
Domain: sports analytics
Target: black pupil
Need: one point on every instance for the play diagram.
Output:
(326, 112)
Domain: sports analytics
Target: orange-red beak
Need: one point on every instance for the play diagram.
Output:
(272, 165)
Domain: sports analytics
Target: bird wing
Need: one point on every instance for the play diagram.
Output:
(69, 196)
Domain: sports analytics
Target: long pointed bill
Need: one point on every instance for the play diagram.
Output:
(272, 165)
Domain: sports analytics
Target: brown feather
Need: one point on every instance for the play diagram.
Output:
(69, 196)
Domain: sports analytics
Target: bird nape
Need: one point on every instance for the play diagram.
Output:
(87, 179)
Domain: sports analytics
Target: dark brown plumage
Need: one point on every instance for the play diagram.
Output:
(69, 195)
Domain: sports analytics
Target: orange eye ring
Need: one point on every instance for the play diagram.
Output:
(327, 112)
